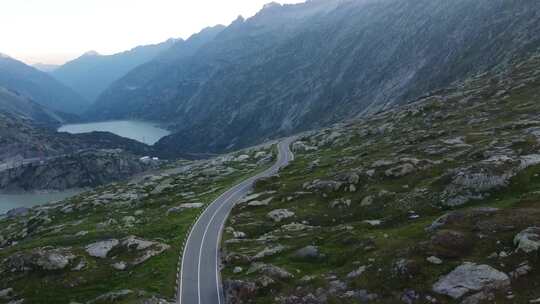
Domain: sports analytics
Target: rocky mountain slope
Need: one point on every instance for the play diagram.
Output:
(436, 201)
(90, 74)
(39, 86)
(18, 105)
(297, 67)
(134, 94)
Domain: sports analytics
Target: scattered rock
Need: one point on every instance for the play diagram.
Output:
(6, 294)
(340, 203)
(356, 273)
(528, 240)
(373, 223)
(256, 203)
(112, 296)
(119, 265)
(268, 251)
(367, 201)
(279, 214)
(434, 260)
(400, 171)
(308, 252)
(471, 277)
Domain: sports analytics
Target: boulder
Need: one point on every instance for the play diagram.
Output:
(101, 249)
(269, 270)
(112, 296)
(192, 205)
(269, 251)
(434, 260)
(340, 203)
(367, 201)
(400, 171)
(308, 252)
(469, 278)
(528, 240)
(6, 294)
(324, 185)
(257, 203)
(279, 214)
(356, 273)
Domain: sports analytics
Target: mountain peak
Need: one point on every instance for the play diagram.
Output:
(2, 55)
(90, 53)
(271, 5)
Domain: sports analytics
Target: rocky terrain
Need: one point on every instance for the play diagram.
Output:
(85, 169)
(118, 243)
(436, 201)
(292, 68)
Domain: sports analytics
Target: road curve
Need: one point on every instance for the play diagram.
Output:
(200, 279)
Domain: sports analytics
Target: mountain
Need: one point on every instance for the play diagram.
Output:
(132, 94)
(92, 73)
(39, 86)
(47, 68)
(297, 67)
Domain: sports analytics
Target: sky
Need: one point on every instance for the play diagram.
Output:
(56, 31)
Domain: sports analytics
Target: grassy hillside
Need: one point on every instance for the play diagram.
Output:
(379, 210)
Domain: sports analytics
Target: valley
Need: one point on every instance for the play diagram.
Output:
(313, 152)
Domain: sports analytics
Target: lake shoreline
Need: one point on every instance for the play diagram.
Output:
(146, 132)
(10, 200)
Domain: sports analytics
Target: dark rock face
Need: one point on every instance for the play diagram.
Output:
(85, 169)
(297, 67)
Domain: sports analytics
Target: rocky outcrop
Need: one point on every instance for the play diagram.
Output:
(39, 259)
(139, 250)
(84, 169)
(279, 214)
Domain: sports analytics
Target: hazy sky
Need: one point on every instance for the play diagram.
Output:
(53, 31)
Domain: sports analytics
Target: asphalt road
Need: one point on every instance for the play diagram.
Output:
(200, 279)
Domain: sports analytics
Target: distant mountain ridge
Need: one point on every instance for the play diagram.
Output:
(39, 86)
(92, 73)
(297, 67)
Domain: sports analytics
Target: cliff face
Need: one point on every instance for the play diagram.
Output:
(79, 170)
(297, 67)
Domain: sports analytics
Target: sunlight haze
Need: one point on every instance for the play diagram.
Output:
(55, 31)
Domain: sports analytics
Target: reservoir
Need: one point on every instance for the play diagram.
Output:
(145, 132)
(11, 201)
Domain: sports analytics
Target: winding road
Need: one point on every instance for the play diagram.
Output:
(200, 279)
